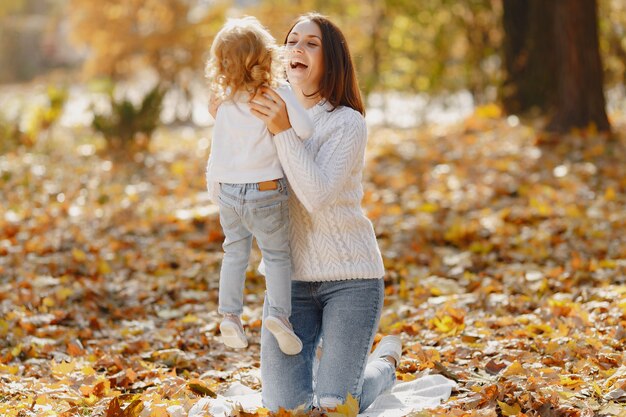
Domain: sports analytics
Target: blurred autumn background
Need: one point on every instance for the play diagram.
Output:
(495, 179)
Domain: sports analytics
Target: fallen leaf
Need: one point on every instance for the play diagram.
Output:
(509, 410)
(348, 409)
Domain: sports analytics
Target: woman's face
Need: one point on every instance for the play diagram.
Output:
(305, 62)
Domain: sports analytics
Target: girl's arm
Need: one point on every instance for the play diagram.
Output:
(213, 187)
(298, 117)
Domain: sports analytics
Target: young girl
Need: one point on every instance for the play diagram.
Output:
(245, 178)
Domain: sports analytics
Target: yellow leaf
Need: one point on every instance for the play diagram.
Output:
(573, 211)
(42, 400)
(571, 381)
(552, 347)
(481, 247)
(159, 412)
(190, 318)
(542, 208)
(15, 352)
(428, 208)
(448, 325)
(566, 395)
(178, 168)
(200, 388)
(403, 291)
(407, 377)
(103, 267)
(63, 293)
(514, 369)
(489, 111)
(608, 264)
(79, 255)
(509, 410)
(597, 389)
(395, 210)
(262, 412)
(609, 194)
(6, 369)
(62, 368)
(4, 328)
(348, 409)
(539, 329)
(88, 371)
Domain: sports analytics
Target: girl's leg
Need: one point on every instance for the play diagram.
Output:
(270, 225)
(352, 310)
(287, 380)
(237, 245)
(268, 218)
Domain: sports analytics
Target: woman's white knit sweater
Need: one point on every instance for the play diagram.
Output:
(331, 238)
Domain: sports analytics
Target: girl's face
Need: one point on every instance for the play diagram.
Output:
(305, 62)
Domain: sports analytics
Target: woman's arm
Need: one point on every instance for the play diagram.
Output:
(315, 178)
(268, 106)
(214, 103)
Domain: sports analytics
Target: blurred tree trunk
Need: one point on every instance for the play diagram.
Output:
(372, 79)
(529, 55)
(580, 95)
(552, 61)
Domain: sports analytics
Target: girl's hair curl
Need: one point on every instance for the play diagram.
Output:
(244, 56)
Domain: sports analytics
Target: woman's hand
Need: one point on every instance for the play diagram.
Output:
(268, 106)
(214, 103)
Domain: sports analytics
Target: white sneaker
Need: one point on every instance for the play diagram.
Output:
(388, 346)
(287, 340)
(232, 332)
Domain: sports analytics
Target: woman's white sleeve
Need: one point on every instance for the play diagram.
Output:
(317, 178)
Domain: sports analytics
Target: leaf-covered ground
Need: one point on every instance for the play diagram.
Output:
(505, 252)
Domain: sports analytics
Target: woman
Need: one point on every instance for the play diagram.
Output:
(337, 287)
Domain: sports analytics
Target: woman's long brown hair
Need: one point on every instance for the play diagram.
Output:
(339, 82)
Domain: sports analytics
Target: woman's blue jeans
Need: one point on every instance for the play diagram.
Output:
(345, 314)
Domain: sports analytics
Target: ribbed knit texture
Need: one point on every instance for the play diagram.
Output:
(331, 238)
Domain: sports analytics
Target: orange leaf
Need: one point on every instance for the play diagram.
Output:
(114, 409)
(74, 349)
(134, 409)
(348, 409)
(494, 368)
(200, 388)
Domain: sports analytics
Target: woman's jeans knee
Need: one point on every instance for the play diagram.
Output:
(345, 315)
(247, 212)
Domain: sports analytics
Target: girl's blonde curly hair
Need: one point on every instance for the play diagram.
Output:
(244, 56)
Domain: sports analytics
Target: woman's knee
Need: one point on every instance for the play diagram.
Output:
(273, 401)
(330, 401)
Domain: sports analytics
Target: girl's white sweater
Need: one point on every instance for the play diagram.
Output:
(331, 238)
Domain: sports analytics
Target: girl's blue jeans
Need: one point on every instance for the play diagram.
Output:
(345, 314)
(247, 212)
